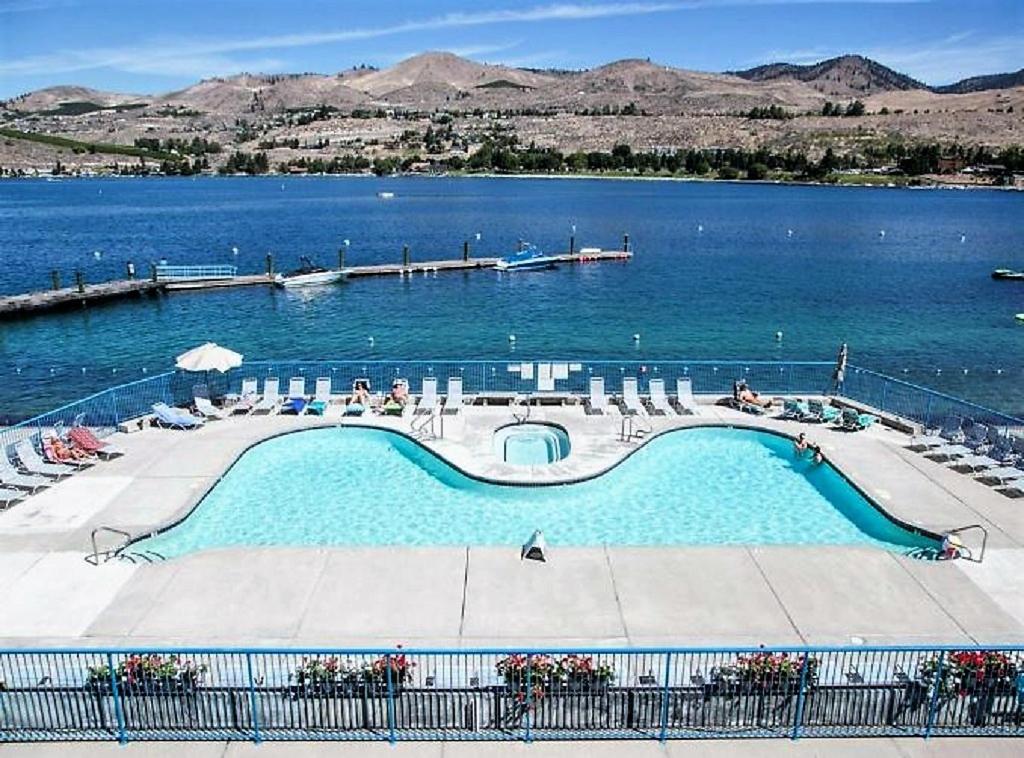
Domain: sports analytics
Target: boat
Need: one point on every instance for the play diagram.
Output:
(1005, 273)
(530, 258)
(309, 274)
(385, 195)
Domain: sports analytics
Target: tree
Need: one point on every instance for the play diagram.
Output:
(728, 172)
(757, 171)
(856, 108)
(826, 109)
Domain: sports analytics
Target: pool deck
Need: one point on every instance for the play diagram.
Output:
(483, 596)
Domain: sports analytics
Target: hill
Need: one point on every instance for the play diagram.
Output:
(845, 76)
(982, 83)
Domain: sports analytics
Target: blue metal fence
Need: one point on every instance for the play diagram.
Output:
(494, 694)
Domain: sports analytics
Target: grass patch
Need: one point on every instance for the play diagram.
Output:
(874, 180)
(78, 146)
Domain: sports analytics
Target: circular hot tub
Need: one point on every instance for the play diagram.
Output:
(531, 444)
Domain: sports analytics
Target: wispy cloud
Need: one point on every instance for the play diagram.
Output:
(166, 54)
(31, 6)
(938, 61)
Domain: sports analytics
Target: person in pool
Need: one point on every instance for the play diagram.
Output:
(801, 444)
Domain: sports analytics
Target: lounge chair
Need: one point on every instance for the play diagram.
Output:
(631, 397)
(1011, 470)
(321, 397)
(9, 497)
(597, 403)
(794, 410)
(34, 464)
(357, 409)
(247, 398)
(50, 455)
(820, 413)
(206, 409)
(659, 400)
(82, 437)
(393, 407)
(454, 400)
(853, 421)
(949, 431)
(685, 401)
(428, 398)
(271, 400)
(11, 477)
(296, 400)
(175, 418)
(999, 453)
(973, 438)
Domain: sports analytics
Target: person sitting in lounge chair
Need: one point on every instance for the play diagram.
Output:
(397, 399)
(63, 453)
(744, 394)
(360, 393)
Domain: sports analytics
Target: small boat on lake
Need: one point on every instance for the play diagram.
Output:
(530, 258)
(1005, 273)
(309, 274)
(386, 195)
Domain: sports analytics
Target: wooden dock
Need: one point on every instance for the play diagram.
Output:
(16, 306)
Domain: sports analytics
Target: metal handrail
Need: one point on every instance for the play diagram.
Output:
(95, 548)
(969, 556)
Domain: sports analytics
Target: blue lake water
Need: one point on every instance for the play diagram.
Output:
(918, 300)
(371, 487)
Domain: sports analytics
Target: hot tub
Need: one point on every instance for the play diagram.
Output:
(531, 444)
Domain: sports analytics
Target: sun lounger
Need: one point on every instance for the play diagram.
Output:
(247, 398)
(973, 437)
(393, 406)
(321, 397)
(794, 410)
(950, 431)
(51, 455)
(296, 400)
(34, 464)
(631, 397)
(9, 497)
(82, 437)
(453, 402)
(685, 401)
(820, 413)
(853, 421)
(997, 451)
(597, 403)
(271, 400)
(428, 398)
(11, 477)
(207, 409)
(659, 400)
(175, 418)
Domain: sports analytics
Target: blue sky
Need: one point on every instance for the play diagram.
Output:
(151, 46)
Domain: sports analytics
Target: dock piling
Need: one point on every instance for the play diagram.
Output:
(341, 258)
(129, 269)
(572, 244)
(55, 279)
(465, 250)
(152, 271)
(270, 265)
(405, 256)
(80, 282)
(625, 243)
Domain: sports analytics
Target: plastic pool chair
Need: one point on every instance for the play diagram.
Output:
(321, 396)
(271, 399)
(1000, 453)
(684, 396)
(175, 418)
(248, 397)
(296, 400)
(598, 401)
(428, 400)
(207, 409)
(659, 400)
(971, 436)
(453, 402)
(9, 497)
(853, 421)
(11, 477)
(34, 464)
(821, 413)
(793, 410)
(631, 397)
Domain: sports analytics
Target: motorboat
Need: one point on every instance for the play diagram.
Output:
(386, 195)
(309, 274)
(1005, 273)
(529, 258)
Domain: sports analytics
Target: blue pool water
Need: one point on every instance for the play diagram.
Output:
(709, 486)
(531, 444)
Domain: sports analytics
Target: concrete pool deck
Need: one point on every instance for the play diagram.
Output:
(481, 596)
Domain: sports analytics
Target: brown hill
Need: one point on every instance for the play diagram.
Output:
(445, 70)
(264, 93)
(846, 76)
(52, 98)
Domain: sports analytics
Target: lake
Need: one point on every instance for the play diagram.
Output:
(719, 268)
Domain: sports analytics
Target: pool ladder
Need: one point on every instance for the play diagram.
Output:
(630, 429)
(118, 551)
(429, 426)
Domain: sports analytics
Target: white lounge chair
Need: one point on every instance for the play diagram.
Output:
(207, 409)
(271, 399)
(428, 398)
(631, 397)
(453, 402)
(9, 497)
(296, 400)
(34, 464)
(11, 477)
(659, 400)
(248, 397)
(598, 401)
(684, 396)
(321, 397)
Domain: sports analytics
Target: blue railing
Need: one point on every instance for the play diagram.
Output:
(105, 410)
(166, 273)
(502, 694)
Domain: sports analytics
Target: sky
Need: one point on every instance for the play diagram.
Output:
(147, 46)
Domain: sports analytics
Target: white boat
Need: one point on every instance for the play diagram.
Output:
(528, 259)
(309, 274)
(385, 195)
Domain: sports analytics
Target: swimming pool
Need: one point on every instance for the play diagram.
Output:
(531, 444)
(702, 486)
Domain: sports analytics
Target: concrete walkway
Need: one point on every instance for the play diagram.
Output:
(482, 596)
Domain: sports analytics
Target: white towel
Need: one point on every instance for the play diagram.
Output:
(526, 371)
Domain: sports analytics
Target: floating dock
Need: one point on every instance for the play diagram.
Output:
(16, 306)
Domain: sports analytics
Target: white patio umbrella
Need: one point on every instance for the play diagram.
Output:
(209, 357)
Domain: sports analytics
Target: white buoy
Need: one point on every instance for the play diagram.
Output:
(963, 238)
(370, 340)
(234, 251)
(700, 228)
(511, 338)
(534, 549)
(881, 233)
(636, 337)
(778, 336)
(789, 232)
(97, 255)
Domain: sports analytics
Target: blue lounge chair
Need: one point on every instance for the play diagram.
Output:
(321, 398)
(820, 413)
(794, 410)
(296, 400)
(974, 436)
(853, 421)
(175, 418)
(950, 431)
